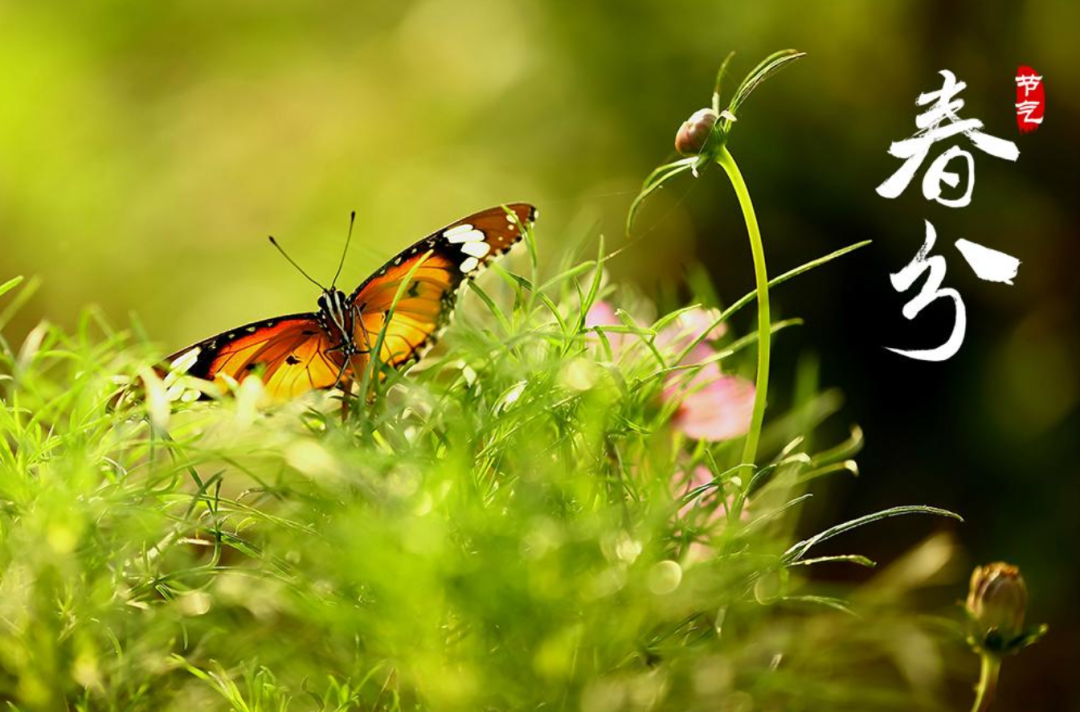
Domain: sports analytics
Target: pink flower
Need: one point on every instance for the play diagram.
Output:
(686, 329)
(713, 406)
(603, 314)
(672, 339)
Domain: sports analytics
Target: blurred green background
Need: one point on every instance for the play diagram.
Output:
(146, 149)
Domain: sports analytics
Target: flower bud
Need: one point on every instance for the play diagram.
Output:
(997, 601)
(695, 132)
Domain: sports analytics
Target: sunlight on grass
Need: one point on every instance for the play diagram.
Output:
(502, 528)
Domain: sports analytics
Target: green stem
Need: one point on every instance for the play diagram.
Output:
(988, 679)
(761, 279)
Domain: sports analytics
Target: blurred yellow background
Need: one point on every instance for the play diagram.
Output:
(147, 149)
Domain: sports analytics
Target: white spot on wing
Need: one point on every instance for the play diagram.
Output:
(467, 236)
(476, 249)
(470, 264)
(186, 360)
(457, 230)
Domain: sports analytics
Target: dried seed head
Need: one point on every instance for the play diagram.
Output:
(997, 600)
(695, 132)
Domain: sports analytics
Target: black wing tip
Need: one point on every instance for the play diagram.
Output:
(524, 212)
(531, 212)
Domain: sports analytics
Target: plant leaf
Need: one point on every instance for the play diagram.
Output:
(751, 296)
(21, 297)
(797, 551)
(654, 182)
(769, 66)
(837, 604)
(846, 558)
(757, 523)
(10, 284)
(719, 79)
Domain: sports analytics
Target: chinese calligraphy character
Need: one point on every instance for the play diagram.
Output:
(1028, 82)
(939, 122)
(1026, 110)
(1030, 99)
(930, 292)
(989, 265)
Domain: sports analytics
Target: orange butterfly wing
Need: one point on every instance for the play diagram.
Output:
(291, 354)
(295, 354)
(443, 261)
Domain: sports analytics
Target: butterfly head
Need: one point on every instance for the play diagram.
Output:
(334, 307)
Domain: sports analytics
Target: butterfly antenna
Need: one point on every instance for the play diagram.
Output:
(352, 219)
(293, 263)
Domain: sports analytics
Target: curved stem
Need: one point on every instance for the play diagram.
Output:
(988, 679)
(761, 280)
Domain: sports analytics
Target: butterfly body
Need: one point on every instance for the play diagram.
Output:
(400, 310)
(336, 314)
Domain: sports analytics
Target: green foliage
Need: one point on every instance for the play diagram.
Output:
(497, 529)
(720, 130)
(765, 69)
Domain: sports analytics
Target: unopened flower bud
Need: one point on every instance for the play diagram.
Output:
(694, 132)
(997, 601)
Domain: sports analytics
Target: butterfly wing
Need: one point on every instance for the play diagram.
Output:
(291, 354)
(295, 354)
(439, 264)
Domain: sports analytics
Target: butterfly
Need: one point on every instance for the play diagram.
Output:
(333, 346)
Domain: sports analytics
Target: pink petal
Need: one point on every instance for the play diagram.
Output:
(719, 410)
(699, 353)
(603, 314)
(699, 320)
(689, 325)
(679, 387)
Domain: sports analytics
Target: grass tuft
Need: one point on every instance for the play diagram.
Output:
(502, 529)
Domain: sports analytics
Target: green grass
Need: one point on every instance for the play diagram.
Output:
(496, 530)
